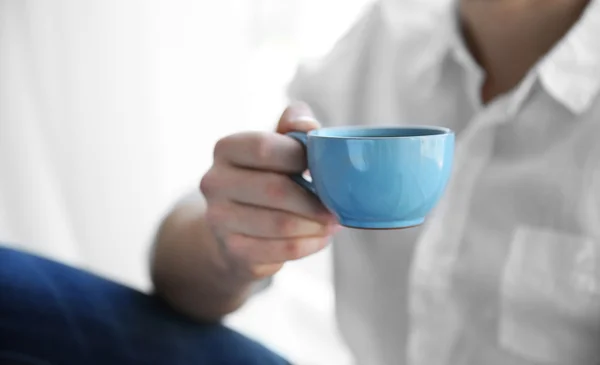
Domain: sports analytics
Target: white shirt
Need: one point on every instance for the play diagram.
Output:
(507, 269)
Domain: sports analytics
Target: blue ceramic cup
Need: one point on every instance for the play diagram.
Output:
(378, 178)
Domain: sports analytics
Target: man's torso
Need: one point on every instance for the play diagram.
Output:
(507, 270)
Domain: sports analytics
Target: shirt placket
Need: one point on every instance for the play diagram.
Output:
(437, 322)
(437, 319)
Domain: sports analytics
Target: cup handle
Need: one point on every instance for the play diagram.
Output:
(298, 178)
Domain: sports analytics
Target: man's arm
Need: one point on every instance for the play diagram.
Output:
(214, 248)
(190, 270)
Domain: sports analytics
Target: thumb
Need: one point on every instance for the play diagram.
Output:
(297, 117)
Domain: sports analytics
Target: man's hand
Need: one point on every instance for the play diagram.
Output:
(252, 219)
(257, 213)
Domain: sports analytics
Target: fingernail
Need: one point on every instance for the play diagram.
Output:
(305, 119)
(310, 227)
(335, 228)
(300, 111)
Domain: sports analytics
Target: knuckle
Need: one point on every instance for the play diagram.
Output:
(209, 183)
(263, 147)
(222, 145)
(276, 186)
(294, 249)
(286, 224)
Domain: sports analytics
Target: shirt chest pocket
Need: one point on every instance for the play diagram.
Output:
(550, 297)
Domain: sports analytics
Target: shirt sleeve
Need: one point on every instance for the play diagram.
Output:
(331, 85)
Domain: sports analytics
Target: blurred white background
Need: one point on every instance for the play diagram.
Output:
(109, 110)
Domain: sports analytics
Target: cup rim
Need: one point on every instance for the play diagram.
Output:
(444, 131)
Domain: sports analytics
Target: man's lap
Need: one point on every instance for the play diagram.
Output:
(54, 314)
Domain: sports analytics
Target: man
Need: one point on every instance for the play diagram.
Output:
(506, 271)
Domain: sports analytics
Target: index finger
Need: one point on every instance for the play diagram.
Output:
(262, 151)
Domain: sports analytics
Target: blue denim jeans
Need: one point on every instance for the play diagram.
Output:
(53, 314)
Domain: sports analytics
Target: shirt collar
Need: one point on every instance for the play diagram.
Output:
(427, 21)
(570, 72)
